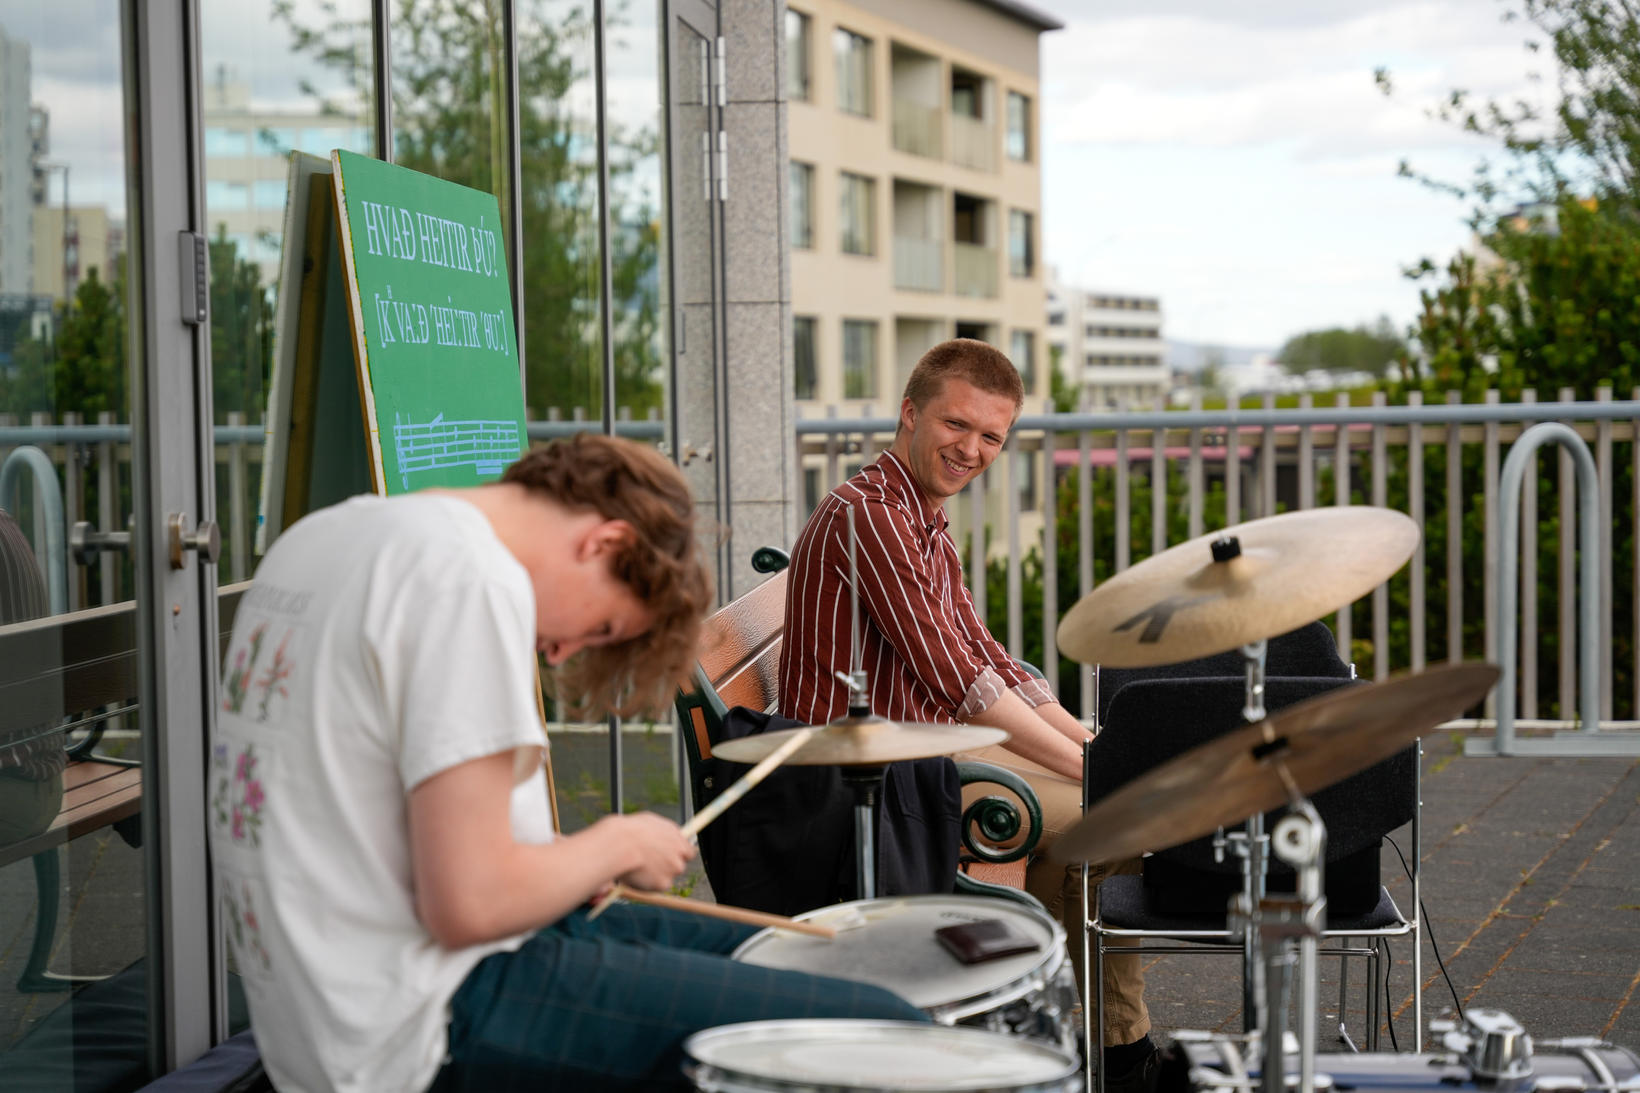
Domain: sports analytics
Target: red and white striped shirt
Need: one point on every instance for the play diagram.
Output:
(926, 654)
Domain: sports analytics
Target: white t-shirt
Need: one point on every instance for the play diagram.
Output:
(382, 642)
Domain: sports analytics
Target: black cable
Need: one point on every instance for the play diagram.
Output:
(1429, 929)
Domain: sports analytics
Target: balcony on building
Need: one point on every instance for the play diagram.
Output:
(974, 246)
(915, 88)
(919, 247)
(973, 124)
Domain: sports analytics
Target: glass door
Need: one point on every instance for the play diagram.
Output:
(106, 649)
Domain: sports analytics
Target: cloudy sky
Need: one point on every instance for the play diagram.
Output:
(1235, 158)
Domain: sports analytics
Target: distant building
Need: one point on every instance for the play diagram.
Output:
(18, 156)
(247, 158)
(1109, 345)
(915, 189)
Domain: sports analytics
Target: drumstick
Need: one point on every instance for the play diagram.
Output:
(719, 910)
(723, 800)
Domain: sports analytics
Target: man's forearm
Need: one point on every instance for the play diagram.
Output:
(1060, 718)
(1032, 737)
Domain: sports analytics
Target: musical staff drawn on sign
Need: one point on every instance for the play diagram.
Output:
(485, 446)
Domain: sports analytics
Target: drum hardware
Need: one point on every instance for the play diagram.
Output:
(1487, 1050)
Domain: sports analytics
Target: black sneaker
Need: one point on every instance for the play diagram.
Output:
(1138, 1078)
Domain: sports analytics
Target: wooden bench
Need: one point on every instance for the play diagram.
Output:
(77, 670)
(740, 666)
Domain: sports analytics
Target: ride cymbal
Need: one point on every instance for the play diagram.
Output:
(1317, 742)
(863, 741)
(1246, 583)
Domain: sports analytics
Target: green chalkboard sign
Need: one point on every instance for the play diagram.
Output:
(426, 275)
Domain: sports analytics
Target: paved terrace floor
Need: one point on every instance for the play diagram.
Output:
(1531, 879)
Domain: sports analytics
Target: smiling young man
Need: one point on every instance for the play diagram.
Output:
(926, 654)
(399, 908)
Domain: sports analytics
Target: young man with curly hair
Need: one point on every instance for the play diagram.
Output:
(399, 908)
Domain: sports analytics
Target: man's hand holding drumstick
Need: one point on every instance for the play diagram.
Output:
(719, 805)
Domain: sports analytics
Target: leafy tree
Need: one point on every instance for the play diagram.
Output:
(449, 121)
(241, 332)
(1338, 349)
(83, 367)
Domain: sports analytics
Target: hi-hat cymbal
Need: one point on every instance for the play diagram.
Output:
(1283, 572)
(863, 741)
(1318, 742)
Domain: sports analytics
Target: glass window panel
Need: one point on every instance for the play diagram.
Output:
(562, 344)
(859, 358)
(857, 215)
(66, 331)
(797, 55)
(1017, 141)
(853, 55)
(804, 376)
(802, 206)
(1021, 251)
(1022, 350)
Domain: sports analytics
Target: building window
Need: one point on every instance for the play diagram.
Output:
(1025, 479)
(226, 143)
(1017, 142)
(1022, 348)
(859, 358)
(811, 489)
(804, 378)
(853, 72)
(797, 55)
(802, 205)
(226, 196)
(1021, 253)
(857, 208)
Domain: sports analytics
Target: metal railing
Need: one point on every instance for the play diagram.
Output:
(976, 270)
(919, 264)
(1193, 465)
(973, 143)
(1255, 462)
(917, 128)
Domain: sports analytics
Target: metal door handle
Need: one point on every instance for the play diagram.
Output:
(205, 540)
(86, 542)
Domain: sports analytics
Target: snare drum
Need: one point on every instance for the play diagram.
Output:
(842, 1056)
(890, 943)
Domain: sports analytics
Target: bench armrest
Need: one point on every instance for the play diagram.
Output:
(996, 818)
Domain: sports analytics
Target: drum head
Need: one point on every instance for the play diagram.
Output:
(890, 943)
(822, 1056)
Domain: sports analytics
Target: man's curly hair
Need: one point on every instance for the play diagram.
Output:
(662, 564)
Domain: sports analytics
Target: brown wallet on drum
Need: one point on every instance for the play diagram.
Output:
(987, 939)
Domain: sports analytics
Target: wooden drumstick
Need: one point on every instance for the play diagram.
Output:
(720, 910)
(723, 801)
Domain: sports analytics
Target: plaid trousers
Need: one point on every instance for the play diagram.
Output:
(606, 1005)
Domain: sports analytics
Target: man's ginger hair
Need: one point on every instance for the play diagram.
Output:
(968, 359)
(661, 563)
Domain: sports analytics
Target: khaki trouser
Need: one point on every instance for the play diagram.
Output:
(1059, 887)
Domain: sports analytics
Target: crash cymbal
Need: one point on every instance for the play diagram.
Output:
(863, 741)
(1280, 573)
(1318, 742)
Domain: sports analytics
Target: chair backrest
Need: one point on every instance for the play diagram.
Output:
(1151, 721)
(739, 666)
(1309, 651)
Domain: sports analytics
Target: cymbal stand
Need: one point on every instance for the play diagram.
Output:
(864, 782)
(1252, 846)
(1300, 840)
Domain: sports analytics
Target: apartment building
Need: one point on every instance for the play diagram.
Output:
(19, 153)
(915, 191)
(1107, 343)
